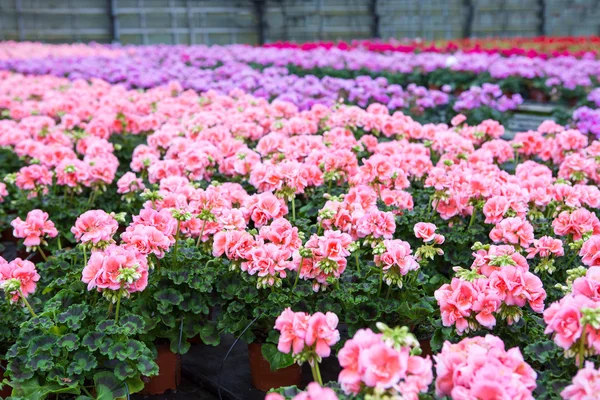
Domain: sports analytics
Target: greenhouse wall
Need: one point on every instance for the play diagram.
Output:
(253, 22)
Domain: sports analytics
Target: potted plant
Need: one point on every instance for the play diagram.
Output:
(72, 344)
(257, 281)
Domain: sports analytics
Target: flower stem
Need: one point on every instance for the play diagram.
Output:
(473, 214)
(298, 273)
(84, 256)
(42, 253)
(387, 296)
(316, 373)
(294, 208)
(380, 281)
(33, 314)
(201, 234)
(582, 347)
(59, 244)
(176, 246)
(118, 304)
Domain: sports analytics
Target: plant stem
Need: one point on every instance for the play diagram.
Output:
(298, 273)
(84, 256)
(176, 246)
(387, 296)
(59, 243)
(582, 347)
(42, 253)
(316, 373)
(33, 314)
(473, 214)
(110, 307)
(380, 281)
(118, 304)
(87, 392)
(294, 208)
(201, 234)
(357, 262)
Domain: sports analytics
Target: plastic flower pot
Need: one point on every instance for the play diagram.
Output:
(169, 372)
(263, 378)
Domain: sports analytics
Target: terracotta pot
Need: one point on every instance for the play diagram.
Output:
(263, 378)
(169, 372)
(6, 390)
(538, 95)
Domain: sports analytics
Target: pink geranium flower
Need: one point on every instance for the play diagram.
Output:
(18, 278)
(95, 226)
(34, 229)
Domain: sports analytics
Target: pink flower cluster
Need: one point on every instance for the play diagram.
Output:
(95, 228)
(480, 368)
(268, 255)
(35, 229)
(151, 232)
(396, 260)
(116, 269)
(515, 231)
(565, 319)
(426, 232)
(585, 385)
(314, 391)
(312, 335)
(18, 278)
(502, 289)
(323, 258)
(370, 361)
(359, 216)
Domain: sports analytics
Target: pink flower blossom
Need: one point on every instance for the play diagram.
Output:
(322, 333)
(34, 229)
(95, 226)
(585, 384)
(22, 272)
(116, 268)
(513, 231)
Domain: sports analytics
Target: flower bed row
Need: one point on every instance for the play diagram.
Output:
(543, 47)
(566, 79)
(154, 217)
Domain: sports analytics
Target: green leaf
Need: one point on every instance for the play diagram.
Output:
(135, 384)
(124, 370)
(42, 344)
(41, 362)
(32, 390)
(147, 366)
(69, 342)
(276, 359)
(132, 325)
(93, 340)
(108, 386)
(73, 316)
(108, 326)
(209, 334)
(82, 362)
(169, 296)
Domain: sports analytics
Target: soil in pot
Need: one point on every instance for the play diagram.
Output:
(169, 372)
(263, 378)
